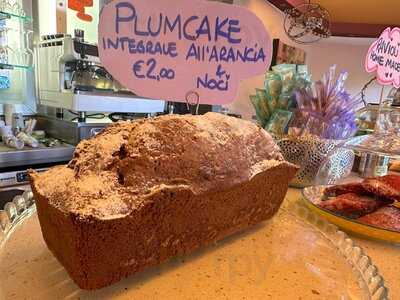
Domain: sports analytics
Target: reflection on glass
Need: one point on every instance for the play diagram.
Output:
(22, 56)
(6, 52)
(12, 7)
(27, 53)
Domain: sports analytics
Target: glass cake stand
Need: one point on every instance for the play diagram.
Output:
(295, 255)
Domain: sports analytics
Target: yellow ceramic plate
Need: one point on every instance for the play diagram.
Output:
(312, 196)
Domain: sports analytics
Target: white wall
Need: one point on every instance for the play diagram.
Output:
(47, 17)
(347, 53)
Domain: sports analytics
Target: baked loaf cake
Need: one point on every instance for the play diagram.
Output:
(142, 192)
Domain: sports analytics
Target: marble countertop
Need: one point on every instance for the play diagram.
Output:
(261, 261)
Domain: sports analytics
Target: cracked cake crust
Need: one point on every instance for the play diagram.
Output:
(142, 192)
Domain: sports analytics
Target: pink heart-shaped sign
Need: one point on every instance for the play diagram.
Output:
(384, 57)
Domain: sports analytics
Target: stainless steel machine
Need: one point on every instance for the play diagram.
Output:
(72, 80)
(71, 77)
(14, 166)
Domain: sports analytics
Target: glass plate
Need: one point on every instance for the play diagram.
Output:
(312, 196)
(295, 255)
(386, 144)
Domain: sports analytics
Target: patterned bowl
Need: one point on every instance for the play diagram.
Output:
(321, 161)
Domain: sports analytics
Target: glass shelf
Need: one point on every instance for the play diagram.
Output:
(5, 15)
(11, 67)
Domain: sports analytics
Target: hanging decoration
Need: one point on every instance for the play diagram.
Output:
(307, 23)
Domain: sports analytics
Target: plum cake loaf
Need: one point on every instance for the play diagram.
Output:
(142, 192)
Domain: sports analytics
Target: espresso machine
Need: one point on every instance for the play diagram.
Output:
(77, 94)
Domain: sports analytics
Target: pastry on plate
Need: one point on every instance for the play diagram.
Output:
(336, 190)
(372, 201)
(386, 186)
(352, 205)
(387, 217)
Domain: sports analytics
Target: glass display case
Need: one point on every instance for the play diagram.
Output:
(16, 51)
(367, 117)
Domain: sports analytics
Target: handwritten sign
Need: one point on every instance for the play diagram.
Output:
(384, 57)
(182, 50)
